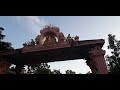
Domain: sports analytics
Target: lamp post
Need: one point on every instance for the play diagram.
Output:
(1, 29)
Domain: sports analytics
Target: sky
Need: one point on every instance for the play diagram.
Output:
(20, 29)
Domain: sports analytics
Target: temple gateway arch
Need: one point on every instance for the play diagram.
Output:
(50, 46)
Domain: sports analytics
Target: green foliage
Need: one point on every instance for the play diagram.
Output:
(4, 45)
(70, 72)
(115, 70)
(56, 72)
(1, 36)
(114, 59)
(42, 68)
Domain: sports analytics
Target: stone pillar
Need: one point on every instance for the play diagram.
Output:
(4, 66)
(92, 65)
(19, 69)
(96, 61)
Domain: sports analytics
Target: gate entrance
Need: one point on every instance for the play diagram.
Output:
(51, 46)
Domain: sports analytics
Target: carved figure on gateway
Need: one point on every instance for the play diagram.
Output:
(48, 40)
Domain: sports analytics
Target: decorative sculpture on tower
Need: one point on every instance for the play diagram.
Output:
(50, 35)
(76, 38)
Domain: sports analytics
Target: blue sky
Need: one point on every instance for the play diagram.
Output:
(20, 29)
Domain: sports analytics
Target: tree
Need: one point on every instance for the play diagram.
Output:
(114, 59)
(56, 72)
(42, 68)
(70, 72)
(4, 45)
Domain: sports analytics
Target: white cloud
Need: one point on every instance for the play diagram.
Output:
(33, 23)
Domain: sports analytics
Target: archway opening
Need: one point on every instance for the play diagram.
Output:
(78, 66)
